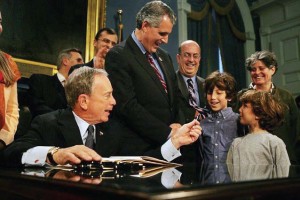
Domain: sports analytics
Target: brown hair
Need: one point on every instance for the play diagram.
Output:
(8, 74)
(266, 107)
(223, 81)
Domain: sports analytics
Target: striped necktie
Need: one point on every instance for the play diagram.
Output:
(192, 101)
(151, 62)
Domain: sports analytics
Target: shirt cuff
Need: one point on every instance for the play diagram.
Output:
(35, 156)
(169, 152)
(169, 177)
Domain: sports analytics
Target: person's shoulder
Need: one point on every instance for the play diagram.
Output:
(34, 77)
(200, 79)
(229, 114)
(78, 66)
(273, 138)
(285, 96)
(283, 92)
(54, 115)
(125, 44)
(237, 141)
(6, 55)
(162, 51)
(242, 91)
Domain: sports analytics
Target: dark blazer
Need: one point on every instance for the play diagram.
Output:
(187, 112)
(142, 104)
(45, 94)
(60, 129)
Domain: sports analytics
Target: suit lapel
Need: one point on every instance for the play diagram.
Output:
(100, 142)
(69, 128)
(201, 92)
(182, 86)
(143, 62)
(61, 91)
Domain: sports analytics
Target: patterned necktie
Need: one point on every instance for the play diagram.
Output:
(192, 101)
(89, 142)
(150, 60)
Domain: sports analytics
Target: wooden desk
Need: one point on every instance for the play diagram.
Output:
(18, 184)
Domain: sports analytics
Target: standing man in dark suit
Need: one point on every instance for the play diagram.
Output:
(144, 80)
(105, 39)
(46, 93)
(58, 137)
(188, 59)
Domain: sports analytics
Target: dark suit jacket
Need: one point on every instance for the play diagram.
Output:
(142, 103)
(187, 114)
(45, 94)
(60, 129)
(89, 64)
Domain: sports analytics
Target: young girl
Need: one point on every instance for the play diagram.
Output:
(262, 113)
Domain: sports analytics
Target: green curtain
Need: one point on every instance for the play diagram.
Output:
(217, 24)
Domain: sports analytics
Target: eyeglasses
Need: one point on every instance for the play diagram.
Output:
(107, 41)
(189, 55)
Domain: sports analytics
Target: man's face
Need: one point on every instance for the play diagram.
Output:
(155, 36)
(101, 101)
(189, 59)
(104, 43)
(75, 59)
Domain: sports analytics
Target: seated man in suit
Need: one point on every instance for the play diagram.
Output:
(58, 137)
(105, 39)
(46, 93)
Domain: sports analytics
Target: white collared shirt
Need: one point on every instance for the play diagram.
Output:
(61, 78)
(83, 126)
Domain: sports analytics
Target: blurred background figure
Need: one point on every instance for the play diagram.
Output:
(46, 93)
(105, 39)
(9, 111)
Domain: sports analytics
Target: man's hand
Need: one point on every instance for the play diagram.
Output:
(99, 62)
(99, 59)
(174, 127)
(186, 134)
(75, 154)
